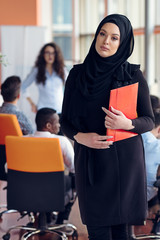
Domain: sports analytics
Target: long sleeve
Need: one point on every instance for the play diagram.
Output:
(145, 120)
(29, 80)
(68, 129)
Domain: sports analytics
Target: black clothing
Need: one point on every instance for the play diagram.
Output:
(69, 185)
(110, 183)
(97, 71)
(118, 232)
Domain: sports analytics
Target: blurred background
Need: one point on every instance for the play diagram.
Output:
(25, 25)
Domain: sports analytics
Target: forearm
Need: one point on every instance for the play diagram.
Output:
(145, 120)
(33, 105)
(142, 124)
(67, 128)
(93, 140)
(30, 101)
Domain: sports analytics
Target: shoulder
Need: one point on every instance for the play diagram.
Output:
(137, 76)
(146, 136)
(73, 73)
(134, 67)
(150, 140)
(21, 116)
(143, 84)
(65, 143)
(63, 139)
(136, 71)
(76, 68)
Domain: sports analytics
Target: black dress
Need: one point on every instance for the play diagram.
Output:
(111, 183)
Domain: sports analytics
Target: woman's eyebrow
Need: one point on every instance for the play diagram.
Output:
(112, 33)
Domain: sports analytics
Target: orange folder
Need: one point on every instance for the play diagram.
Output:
(125, 100)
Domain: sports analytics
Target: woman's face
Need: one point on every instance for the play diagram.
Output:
(108, 40)
(49, 55)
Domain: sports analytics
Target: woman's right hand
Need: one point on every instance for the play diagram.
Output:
(33, 106)
(93, 140)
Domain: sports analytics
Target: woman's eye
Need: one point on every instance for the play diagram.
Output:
(114, 38)
(102, 33)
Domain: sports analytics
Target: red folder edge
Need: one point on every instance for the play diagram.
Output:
(122, 99)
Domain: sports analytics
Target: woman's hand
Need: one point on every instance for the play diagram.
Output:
(93, 140)
(33, 106)
(117, 120)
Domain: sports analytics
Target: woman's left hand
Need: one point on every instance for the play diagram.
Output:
(115, 119)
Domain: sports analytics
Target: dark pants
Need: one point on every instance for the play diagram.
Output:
(117, 232)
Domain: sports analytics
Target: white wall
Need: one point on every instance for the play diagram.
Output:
(21, 45)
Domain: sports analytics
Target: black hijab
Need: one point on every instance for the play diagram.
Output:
(98, 72)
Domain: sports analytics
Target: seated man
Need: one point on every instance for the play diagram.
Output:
(152, 159)
(10, 91)
(155, 101)
(47, 122)
(152, 154)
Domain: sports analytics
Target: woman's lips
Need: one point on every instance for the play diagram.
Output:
(104, 49)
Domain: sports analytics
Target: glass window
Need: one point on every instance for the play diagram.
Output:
(101, 9)
(157, 50)
(133, 9)
(88, 23)
(85, 43)
(90, 15)
(138, 53)
(62, 11)
(157, 12)
(64, 42)
(62, 26)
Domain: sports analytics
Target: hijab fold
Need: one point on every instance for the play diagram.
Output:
(97, 74)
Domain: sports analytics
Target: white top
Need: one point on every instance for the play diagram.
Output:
(152, 160)
(66, 146)
(50, 94)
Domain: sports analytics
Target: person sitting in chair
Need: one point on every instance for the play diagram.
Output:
(151, 144)
(47, 123)
(10, 91)
(155, 101)
(152, 155)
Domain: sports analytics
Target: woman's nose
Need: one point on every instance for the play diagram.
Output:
(106, 40)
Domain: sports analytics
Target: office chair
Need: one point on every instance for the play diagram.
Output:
(36, 182)
(155, 231)
(9, 125)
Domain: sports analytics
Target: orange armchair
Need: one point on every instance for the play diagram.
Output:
(36, 181)
(9, 125)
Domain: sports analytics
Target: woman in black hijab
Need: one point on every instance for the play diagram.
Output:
(110, 177)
